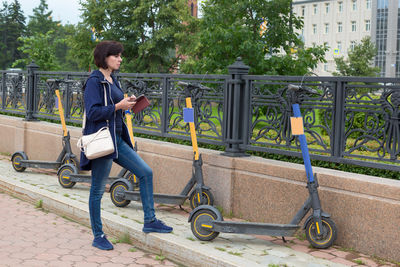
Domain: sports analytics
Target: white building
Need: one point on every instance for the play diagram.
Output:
(342, 23)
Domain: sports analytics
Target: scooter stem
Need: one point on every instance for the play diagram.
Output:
(61, 113)
(304, 147)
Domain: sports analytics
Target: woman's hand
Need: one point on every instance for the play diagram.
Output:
(126, 103)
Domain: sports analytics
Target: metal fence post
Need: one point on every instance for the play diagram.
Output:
(339, 120)
(3, 89)
(165, 107)
(30, 96)
(234, 109)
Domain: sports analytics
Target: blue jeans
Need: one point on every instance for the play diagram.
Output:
(130, 160)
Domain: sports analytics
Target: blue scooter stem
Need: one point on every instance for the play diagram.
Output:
(304, 147)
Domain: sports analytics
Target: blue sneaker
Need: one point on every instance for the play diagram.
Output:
(156, 226)
(101, 242)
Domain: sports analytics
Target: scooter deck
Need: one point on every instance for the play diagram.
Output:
(88, 178)
(40, 164)
(255, 228)
(158, 198)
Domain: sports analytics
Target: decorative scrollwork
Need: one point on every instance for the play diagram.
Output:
(15, 86)
(272, 109)
(390, 102)
(207, 103)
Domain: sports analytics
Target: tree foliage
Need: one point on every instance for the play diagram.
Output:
(147, 29)
(12, 26)
(231, 29)
(359, 61)
(41, 21)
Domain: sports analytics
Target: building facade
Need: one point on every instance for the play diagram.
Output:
(340, 24)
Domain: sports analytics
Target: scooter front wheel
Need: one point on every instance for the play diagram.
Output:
(64, 175)
(208, 199)
(116, 191)
(328, 237)
(16, 161)
(201, 225)
(133, 179)
(72, 161)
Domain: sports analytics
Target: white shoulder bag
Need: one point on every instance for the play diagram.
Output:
(98, 144)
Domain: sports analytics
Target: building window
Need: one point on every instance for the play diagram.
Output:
(327, 8)
(352, 45)
(325, 67)
(367, 25)
(192, 9)
(315, 9)
(354, 5)
(339, 27)
(368, 4)
(340, 7)
(326, 28)
(353, 26)
(339, 46)
(314, 28)
(303, 11)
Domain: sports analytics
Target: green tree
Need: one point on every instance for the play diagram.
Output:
(359, 61)
(41, 21)
(40, 48)
(12, 26)
(45, 41)
(147, 30)
(229, 29)
(81, 47)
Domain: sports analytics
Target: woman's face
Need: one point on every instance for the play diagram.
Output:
(114, 61)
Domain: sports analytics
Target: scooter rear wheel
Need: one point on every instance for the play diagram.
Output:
(16, 161)
(200, 224)
(195, 202)
(327, 239)
(115, 191)
(64, 175)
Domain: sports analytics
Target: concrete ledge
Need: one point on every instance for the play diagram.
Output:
(365, 208)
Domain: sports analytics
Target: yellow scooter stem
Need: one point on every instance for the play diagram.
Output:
(61, 113)
(128, 116)
(193, 132)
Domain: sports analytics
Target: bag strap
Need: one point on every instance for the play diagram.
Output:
(84, 113)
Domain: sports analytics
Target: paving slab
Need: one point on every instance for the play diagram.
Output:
(36, 185)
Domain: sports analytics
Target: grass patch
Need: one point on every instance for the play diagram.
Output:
(360, 262)
(66, 195)
(39, 204)
(160, 257)
(125, 238)
(124, 216)
(190, 238)
(132, 249)
(235, 253)
(220, 249)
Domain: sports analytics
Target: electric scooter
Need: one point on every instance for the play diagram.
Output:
(207, 222)
(68, 174)
(122, 193)
(20, 160)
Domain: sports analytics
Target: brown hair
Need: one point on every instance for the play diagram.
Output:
(105, 49)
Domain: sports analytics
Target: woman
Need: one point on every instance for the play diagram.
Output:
(107, 57)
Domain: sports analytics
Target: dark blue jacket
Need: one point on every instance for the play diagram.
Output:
(97, 113)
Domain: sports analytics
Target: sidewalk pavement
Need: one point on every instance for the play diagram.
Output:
(74, 242)
(33, 237)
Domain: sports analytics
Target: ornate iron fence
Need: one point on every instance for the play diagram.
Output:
(351, 120)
